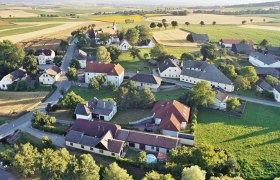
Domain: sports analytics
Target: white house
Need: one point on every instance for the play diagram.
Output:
(220, 100)
(169, 68)
(196, 71)
(276, 92)
(111, 72)
(147, 80)
(262, 85)
(50, 76)
(45, 56)
(124, 45)
(171, 117)
(12, 78)
(227, 43)
(146, 44)
(96, 109)
(264, 60)
(81, 56)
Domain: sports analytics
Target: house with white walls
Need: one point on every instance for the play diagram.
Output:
(81, 56)
(50, 75)
(124, 45)
(12, 78)
(169, 68)
(45, 56)
(197, 71)
(264, 60)
(221, 98)
(96, 109)
(147, 80)
(276, 93)
(227, 43)
(111, 72)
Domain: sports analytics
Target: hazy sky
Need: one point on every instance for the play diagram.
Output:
(153, 2)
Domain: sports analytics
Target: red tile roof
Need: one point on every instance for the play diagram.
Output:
(109, 69)
(172, 114)
(235, 41)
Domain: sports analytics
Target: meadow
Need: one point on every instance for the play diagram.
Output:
(218, 32)
(254, 138)
(117, 18)
(15, 103)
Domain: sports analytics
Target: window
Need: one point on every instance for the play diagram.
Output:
(82, 146)
(91, 149)
(113, 154)
(101, 151)
(152, 147)
(71, 144)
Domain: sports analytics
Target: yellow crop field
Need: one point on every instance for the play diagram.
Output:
(15, 103)
(118, 18)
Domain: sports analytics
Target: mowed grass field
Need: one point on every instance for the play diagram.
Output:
(117, 18)
(254, 137)
(173, 38)
(218, 32)
(14, 103)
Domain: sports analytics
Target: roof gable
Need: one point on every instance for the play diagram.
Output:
(109, 69)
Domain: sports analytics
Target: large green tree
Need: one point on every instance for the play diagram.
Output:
(11, 57)
(153, 175)
(70, 100)
(134, 52)
(148, 99)
(114, 52)
(25, 159)
(233, 103)
(86, 168)
(30, 64)
(157, 51)
(72, 74)
(113, 171)
(202, 94)
(132, 35)
(250, 73)
(144, 33)
(193, 173)
(174, 24)
(187, 56)
(42, 119)
(75, 64)
(208, 52)
(241, 83)
(104, 38)
(102, 55)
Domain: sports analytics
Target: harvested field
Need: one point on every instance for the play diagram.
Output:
(4, 23)
(174, 38)
(209, 18)
(16, 13)
(118, 18)
(273, 28)
(42, 43)
(15, 103)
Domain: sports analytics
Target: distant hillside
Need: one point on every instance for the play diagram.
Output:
(265, 4)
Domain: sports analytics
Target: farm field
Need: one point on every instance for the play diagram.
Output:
(218, 32)
(253, 138)
(272, 28)
(209, 18)
(175, 38)
(117, 18)
(14, 103)
(16, 13)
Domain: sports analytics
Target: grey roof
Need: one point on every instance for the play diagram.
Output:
(46, 52)
(203, 70)
(74, 136)
(80, 54)
(264, 85)
(166, 64)
(16, 75)
(274, 50)
(89, 141)
(199, 38)
(268, 71)
(243, 48)
(146, 78)
(265, 58)
(122, 134)
(82, 109)
(277, 88)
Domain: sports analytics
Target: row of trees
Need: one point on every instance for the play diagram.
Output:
(164, 24)
(136, 35)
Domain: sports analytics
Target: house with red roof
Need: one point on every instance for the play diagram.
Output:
(111, 72)
(227, 43)
(171, 117)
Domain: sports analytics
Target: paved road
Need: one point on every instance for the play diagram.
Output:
(24, 122)
(257, 101)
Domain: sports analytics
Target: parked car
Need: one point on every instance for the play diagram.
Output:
(148, 129)
(149, 124)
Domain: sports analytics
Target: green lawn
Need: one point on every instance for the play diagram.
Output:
(63, 114)
(26, 137)
(4, 147)
(234, 32)
(4, 120)
(130, 115)
(253, 94)
(3, 27)
(178, 51)
(254, 137)
(26, 30)
(89, 94)
(170, 95)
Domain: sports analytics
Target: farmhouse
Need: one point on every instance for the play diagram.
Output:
(12, 78)
(111, 72)
(196, 71)
(242, 48)
(97, 109)
(220, 99)
(45, 56)
(264, 60)
(227, 43)
(276, 92)
(110, 140)
(50, 76)
(96, 137)
(169, 68)
(273, 50)
(263, 72)
(146, 44)
(81, 56)
(112, 32)
(171, 116)
(198, 38)
(262, 85)
(124, 45)
(147, 80)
